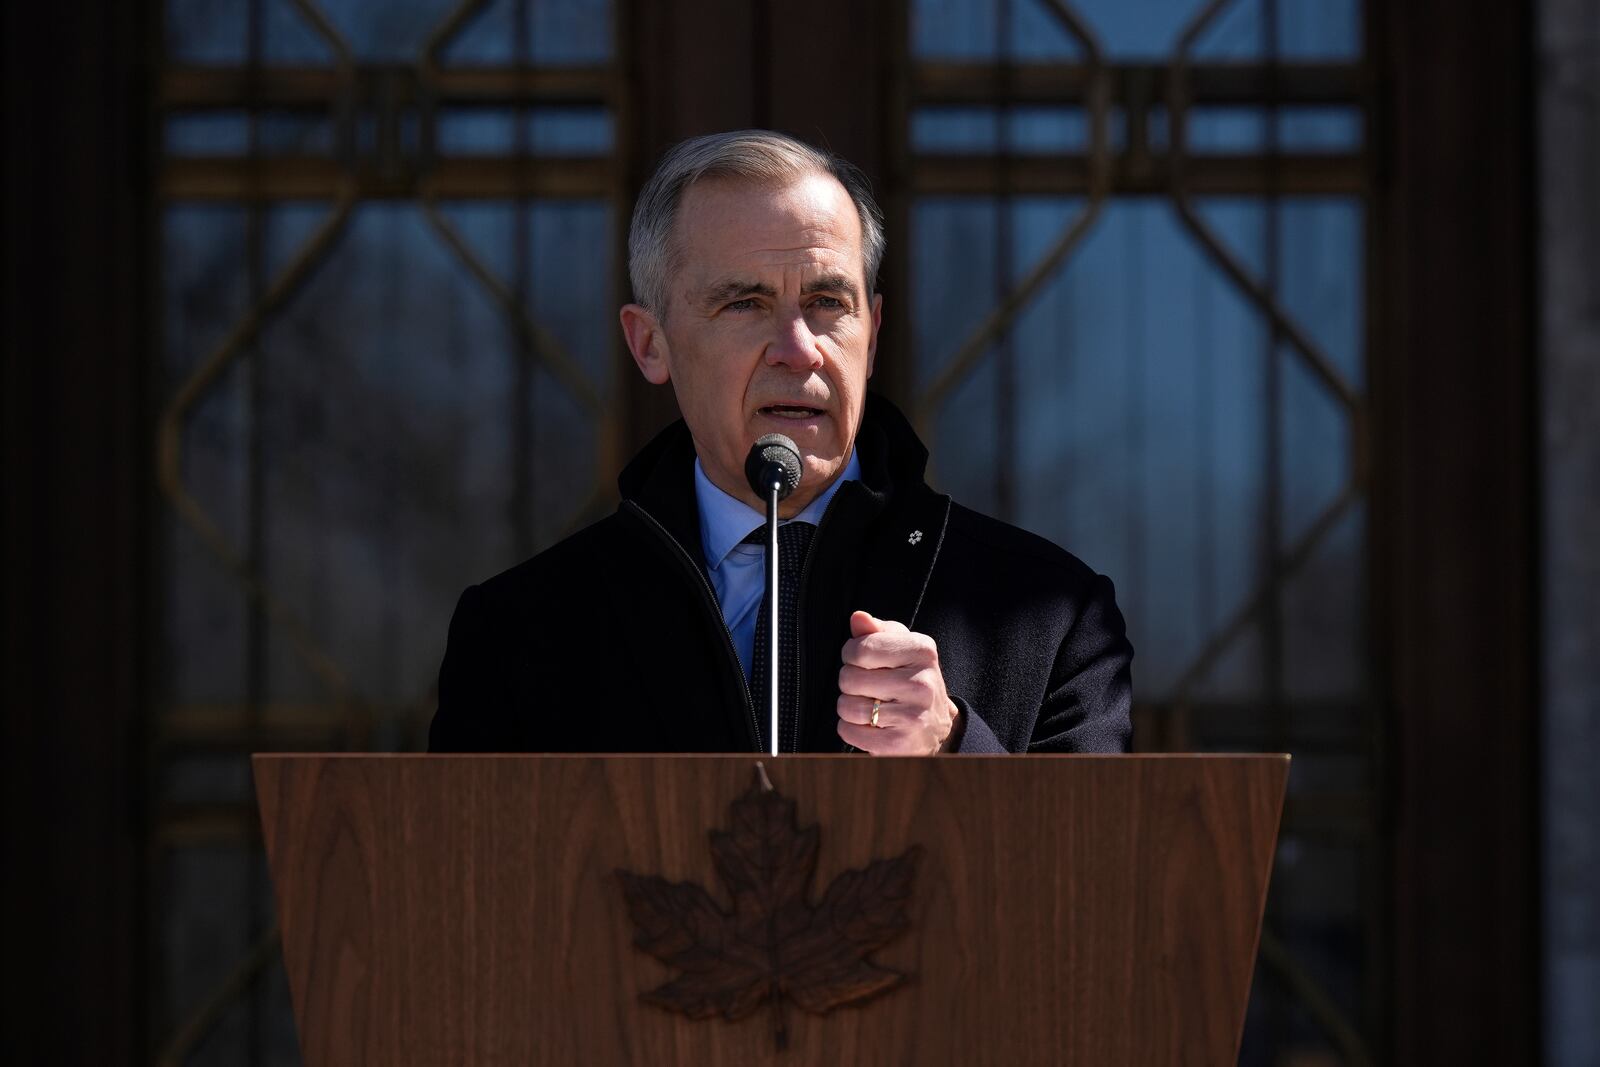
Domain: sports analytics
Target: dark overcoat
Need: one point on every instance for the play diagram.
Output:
(612, 640)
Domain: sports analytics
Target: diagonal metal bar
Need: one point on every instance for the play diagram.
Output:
(1284, 566)
(169, 438)
(1309, 352)
(972, 350)
(1075, 24)
(1178, 94)
(533, 338)
(1318, 1004)
(187, 1037)
(344, 56)
(454, 21)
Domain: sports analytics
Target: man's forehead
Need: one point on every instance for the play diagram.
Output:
(811, 217)
(810, 211)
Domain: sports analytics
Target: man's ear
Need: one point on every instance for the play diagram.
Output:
(648, 343)
(877, 323)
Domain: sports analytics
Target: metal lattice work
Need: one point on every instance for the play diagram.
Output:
(1144, 95)
(385, 121)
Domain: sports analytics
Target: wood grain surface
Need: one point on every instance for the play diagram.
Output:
(466, 910)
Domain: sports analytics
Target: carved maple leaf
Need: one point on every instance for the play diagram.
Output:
(773, 943)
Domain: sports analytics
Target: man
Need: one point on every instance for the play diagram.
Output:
(921, 626)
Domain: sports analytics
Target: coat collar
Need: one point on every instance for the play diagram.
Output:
(874, 550)
(660, 478)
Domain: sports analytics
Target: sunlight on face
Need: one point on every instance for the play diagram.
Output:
(769, 327)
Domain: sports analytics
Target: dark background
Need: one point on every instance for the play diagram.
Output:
(1332, 359)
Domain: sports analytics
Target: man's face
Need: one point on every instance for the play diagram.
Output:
(769, 327)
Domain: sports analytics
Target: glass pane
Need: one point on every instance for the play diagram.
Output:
(1142, 430)
(206, 31)
(1014, 130)
(1027, 30)
(974, 30)
(1320, 129)
(389, 396)
(289, 39)
(1242, 130)
(541, 131)
(1306, 30)
(204, 292)
(546, 32)
(386, 33)
(227, 133)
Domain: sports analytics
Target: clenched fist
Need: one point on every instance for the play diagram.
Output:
(887, 663)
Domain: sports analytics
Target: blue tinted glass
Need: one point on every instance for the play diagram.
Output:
(545, 131)
(975, 30)
(1324, 612)
(1236, 34)
(1048, 130)
(1146, 29)
(1321, 30)
(388, 33)
(391, 400)
(203, 294)
(1143, 413)
(288, 39)
(1026, 130)
(955, 129)
(554, 32)
(225, 133)
(1322, 251)
(1320, 129)
(394, 395)
(1300, 129)
(206, 32)
(1226, 129)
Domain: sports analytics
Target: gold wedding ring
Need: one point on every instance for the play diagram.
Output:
(875, 706)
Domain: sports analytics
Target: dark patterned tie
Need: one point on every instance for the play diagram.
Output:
(794, 541)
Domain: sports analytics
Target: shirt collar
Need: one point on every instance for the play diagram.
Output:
(726, 520)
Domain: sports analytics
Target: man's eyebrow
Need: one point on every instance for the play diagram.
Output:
(832, 282)
(735, 289)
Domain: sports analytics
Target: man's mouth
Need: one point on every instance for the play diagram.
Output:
(790, 411)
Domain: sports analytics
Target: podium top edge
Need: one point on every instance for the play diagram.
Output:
(1037, 756)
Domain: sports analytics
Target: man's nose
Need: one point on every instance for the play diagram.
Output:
(795, 346)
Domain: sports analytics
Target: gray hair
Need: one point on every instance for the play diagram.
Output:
(759, 156)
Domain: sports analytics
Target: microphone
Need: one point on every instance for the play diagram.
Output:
(773, 470)
(773, 459)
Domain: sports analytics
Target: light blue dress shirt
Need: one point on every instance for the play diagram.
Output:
(738, 570)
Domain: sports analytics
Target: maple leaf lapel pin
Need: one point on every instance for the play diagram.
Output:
(773, 944)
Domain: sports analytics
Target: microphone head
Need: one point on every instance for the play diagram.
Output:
(773, 457)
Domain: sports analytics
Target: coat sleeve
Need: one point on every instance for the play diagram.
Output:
(1089, 699)
(1088, 707)
(465, 718)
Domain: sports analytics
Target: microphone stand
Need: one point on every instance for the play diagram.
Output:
(774, 485)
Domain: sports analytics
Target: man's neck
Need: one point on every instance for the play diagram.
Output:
(796, 502)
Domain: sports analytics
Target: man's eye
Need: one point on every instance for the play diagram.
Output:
(746, 304)
(831, 303)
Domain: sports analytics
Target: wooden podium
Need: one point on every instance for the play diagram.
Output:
(1095, 910)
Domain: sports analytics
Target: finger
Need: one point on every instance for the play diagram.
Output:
(862, 623)
(887, 684)
(858, 710)
(877, 742)
(854, 709)
(890, 649)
